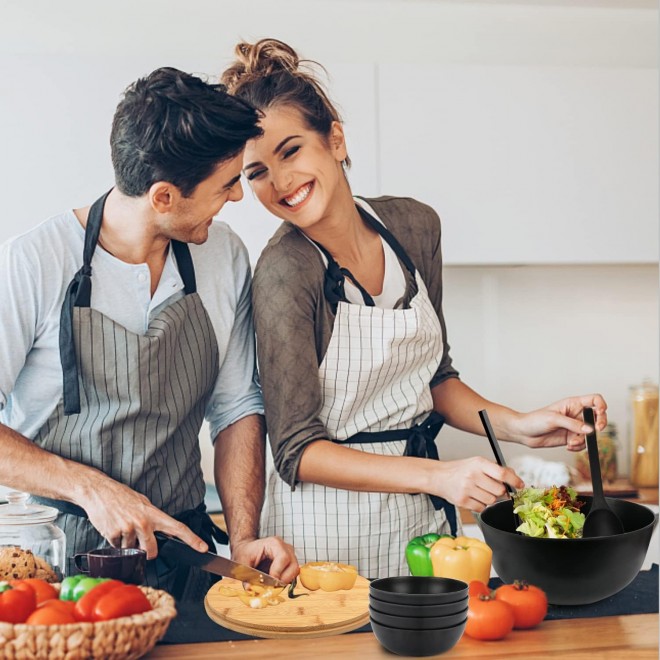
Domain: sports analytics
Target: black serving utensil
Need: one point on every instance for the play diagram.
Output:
(601, 520)
(499, 457)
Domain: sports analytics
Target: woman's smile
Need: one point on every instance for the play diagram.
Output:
(298, 198)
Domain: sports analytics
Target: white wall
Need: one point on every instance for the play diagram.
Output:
(519, 335)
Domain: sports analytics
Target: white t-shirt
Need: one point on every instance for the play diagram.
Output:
(394, 282)
(35, 271)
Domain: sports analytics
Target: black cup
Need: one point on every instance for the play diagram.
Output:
(125, 564)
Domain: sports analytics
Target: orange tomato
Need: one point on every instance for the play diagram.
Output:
(478, 588)
(50, 615)
(488, 618)
(42, 589)
(529, 603)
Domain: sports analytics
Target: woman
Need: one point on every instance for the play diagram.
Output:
(352, 347)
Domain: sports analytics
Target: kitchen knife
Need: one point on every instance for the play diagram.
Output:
(178, 551)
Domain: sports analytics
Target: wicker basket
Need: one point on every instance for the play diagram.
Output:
(120, 639)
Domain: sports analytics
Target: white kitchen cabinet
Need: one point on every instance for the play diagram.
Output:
(526, 164)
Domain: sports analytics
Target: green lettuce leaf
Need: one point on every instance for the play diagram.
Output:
(539, 519)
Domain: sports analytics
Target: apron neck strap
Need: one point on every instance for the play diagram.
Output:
(333, 285)
(185, 265)
(389, 238)
(79, 294)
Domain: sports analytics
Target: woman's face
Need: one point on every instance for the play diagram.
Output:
(295, 172)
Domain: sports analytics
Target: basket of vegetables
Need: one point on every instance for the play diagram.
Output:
(81, 618)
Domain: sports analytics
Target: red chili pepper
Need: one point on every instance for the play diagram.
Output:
(121, 602)
(17, 604)
(84, 609)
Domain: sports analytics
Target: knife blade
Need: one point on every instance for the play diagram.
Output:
(175, 550)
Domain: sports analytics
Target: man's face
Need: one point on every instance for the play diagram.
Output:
(192, 216)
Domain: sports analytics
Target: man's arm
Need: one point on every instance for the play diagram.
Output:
(239, 470)
(120, 514)
(240, 477)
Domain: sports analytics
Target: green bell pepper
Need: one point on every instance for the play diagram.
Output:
(418, 553)
(75, 587)
(85, 585)
(68, 585)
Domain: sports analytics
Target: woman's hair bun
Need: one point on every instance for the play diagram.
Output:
(258, 60)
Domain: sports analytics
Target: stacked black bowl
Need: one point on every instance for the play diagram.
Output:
(418, 616)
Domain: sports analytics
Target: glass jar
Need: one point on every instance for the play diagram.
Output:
(607, 449)
(30, 527)
(644, 434)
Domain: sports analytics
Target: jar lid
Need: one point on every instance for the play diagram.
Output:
(19, 512)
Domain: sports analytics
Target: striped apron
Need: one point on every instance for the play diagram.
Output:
(375, 380)
(133, 406)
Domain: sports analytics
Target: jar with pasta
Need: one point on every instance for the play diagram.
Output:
(644, 435)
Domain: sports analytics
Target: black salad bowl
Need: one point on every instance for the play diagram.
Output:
(570, 571)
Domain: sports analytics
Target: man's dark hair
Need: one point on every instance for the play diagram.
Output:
(171, 126)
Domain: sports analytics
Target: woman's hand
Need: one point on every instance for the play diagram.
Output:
(559, 423)
(471, 483)
(270, 554)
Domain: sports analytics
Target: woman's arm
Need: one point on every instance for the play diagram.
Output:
(472, 483)
(557, 424)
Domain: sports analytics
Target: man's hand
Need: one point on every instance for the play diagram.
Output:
(126, 518)
(272, 550)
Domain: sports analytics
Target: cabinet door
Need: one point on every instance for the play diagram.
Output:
(527, 164)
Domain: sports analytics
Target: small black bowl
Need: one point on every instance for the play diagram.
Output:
(418, 610)
(570, 571)
(418, 590)
(405, 641)
(418, 622)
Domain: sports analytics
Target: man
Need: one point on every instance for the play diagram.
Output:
(117, 337)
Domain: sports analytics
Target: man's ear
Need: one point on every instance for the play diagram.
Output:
(338, 141)
(163, 196)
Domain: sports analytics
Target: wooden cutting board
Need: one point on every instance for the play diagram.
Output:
(319, 614)
(618, 488)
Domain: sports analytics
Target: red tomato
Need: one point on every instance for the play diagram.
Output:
(17, 604)
(488, 618)
(42, 589)
(529, 603)
(478, 588)
(84, 607)
(61, 605)
(120, 602)
(50, 615)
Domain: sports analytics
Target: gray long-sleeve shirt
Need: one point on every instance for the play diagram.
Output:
(294, 322)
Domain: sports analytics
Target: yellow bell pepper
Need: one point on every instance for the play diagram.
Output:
(462, 558)
(327, 576)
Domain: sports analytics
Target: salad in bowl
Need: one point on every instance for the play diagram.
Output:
(549, 512)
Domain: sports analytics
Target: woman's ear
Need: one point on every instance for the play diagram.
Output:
(338, 141)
